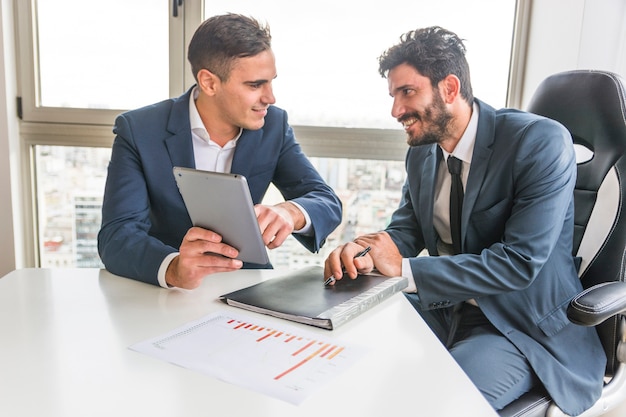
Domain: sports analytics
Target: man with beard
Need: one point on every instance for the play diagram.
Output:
(497, 281)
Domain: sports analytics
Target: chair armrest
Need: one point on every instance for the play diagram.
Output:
(598, 303)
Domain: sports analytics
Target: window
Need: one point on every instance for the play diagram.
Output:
(87, 60)
(81, 71)
(70, 186)
(127, 68)
(327, 52)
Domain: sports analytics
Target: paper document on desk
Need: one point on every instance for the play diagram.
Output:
(283, 362)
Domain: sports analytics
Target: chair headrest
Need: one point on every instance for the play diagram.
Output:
(592, 106)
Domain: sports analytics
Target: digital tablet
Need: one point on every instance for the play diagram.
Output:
(221, 202)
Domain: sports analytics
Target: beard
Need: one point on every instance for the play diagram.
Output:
(435, 120)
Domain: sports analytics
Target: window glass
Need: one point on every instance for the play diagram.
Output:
(70, 186)
(102, 54)
(327, 51)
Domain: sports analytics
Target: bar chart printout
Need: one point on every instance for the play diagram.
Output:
(287, 363)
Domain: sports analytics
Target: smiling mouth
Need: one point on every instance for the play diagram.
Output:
(408, 122)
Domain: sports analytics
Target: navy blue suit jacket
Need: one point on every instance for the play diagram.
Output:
(143, 215)
(517, 232)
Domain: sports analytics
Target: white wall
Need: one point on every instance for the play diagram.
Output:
(574, 34)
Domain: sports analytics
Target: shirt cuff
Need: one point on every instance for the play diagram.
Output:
(163, 269)
(306, 230)
(407, 272)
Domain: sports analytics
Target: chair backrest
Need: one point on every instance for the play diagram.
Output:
(592, 106)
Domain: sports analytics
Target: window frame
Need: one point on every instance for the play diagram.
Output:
(28, 77)
(93, 127)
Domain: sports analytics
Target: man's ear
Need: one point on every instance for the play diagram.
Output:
(208, 82)
(450, 88)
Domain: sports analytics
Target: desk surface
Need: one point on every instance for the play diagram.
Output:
(64, 352)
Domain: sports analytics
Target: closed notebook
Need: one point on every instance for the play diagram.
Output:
(301, 296)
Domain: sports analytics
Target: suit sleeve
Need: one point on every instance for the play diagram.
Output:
(298, 181)
(124, 243)
(527, 220)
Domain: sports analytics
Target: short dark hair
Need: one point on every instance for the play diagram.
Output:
(220, 40)
(435, 53)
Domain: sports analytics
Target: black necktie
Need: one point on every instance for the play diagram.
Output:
(456, 201)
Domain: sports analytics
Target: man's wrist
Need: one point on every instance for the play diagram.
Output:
(299, 221)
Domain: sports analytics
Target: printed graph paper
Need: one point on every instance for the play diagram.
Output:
(284, 362)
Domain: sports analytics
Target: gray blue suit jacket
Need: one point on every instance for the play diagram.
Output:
(143, 215)
(517, 232)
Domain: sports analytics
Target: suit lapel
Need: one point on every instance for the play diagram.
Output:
(427, 196)
(246, 151)
(480, 161)
(180, 145)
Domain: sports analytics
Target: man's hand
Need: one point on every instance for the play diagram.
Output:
(384, 256)
(278, 222)
(201, 253)
(385, 253)
(343, 259)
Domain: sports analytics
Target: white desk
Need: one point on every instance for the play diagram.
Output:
(64, 337)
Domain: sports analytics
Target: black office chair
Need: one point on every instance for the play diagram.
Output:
(592, 105)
